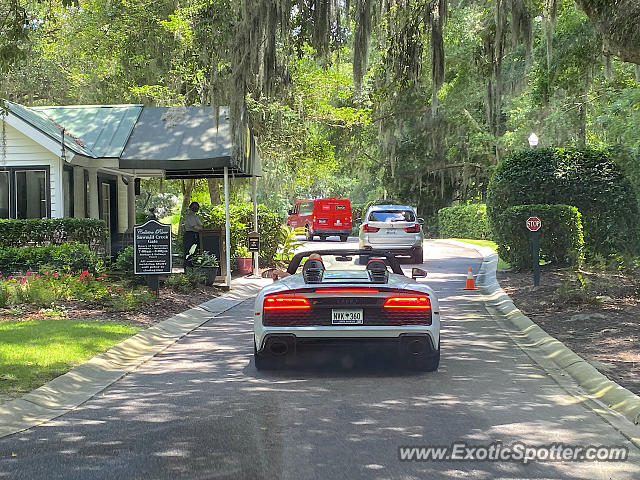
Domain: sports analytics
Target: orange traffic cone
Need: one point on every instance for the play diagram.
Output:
(471, 284)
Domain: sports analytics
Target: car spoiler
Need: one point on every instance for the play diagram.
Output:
(389, 257)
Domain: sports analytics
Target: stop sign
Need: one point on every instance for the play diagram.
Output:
(534, 224)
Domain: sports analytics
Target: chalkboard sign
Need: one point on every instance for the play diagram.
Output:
(254, 242)
(152, 248)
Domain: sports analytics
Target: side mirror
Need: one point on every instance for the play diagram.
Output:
(420, 221)
(418, 273)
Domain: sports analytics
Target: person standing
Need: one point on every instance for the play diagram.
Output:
(192, 228)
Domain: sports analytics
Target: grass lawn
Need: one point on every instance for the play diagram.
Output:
(32, 352)
(502, 265)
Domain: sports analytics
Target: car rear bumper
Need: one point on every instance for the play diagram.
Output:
(344, 334)
(397, 249)
(332, 231)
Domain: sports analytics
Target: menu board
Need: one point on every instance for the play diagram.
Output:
(152, 248)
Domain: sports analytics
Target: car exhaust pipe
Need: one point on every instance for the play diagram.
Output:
(416, 347)
(277, 348)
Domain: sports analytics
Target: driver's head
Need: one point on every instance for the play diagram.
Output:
(315, 256)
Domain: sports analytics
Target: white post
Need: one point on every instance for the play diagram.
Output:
(254, 196)
(94, 209)
(131, 203)
(122, 199)
(227, 227)
(78, 193)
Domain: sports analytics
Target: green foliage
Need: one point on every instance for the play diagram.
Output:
(67, 257)
(289, 244)
(586, 179)
(124, 260)
(181, 283)
(560, 238)
(242, 252)
(55, 231)
(241, 216)
(464, 221)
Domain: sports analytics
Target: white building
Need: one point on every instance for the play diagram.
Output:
(82, 161)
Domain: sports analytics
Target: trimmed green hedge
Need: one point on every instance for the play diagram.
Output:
(241, 215)
(587, 179)
(68, 257)
(464, 221)
(53, 231)
(560, 238)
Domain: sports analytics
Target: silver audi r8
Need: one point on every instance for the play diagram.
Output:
(347, 297)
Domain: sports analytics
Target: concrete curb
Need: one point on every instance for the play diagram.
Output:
(68, 391)
(588, 377)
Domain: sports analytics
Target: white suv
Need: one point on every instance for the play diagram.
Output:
(395, 228)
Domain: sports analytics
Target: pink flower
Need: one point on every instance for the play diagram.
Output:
(9, 277)
(23, 281)
(55, 274)
(37, 275)
(46, 273)
(109, 290)
(28, 273)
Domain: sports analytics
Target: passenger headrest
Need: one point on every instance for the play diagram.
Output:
(312, 271)
(378, 270)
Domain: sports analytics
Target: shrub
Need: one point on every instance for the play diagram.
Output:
(464, 221)
(241, 216)
(124, 260)
(181, 283)
(66, 257)
(560, 237)
(53, 231)
(586, 179)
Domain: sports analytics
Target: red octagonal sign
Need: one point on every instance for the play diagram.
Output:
(534, 224)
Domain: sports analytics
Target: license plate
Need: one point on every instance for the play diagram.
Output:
(390, 231)
(346, 316)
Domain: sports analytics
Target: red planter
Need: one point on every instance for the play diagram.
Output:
(245, 265)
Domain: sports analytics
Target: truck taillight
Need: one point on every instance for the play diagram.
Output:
(412, 229)
(369, 229)
(405, 302)
(285, 303)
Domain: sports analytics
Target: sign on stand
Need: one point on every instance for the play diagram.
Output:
(152, 251)
(534, 224)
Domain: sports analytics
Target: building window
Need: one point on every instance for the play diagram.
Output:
(31, 194)
(67, 190)
(4, 194)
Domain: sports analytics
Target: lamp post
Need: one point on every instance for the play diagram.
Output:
(533, 140)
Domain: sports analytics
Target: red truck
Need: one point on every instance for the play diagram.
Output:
(322, 217)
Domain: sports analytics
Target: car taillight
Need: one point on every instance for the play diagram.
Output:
(413, 229)
(347, 290)
(413, 302)
(286, 303)
(369, 229)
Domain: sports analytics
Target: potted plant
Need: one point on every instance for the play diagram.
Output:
(243, 260)
(204, 262)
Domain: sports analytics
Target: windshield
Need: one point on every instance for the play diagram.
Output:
(338, 263)
(389, 216)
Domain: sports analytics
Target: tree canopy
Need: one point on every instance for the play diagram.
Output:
(410, 100)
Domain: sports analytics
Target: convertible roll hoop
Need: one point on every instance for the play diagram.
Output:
(389, 258)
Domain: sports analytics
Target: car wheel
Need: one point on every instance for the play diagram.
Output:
(262, 360)
(344, 238)
(418, 255)
(323, 238)
(308, 233)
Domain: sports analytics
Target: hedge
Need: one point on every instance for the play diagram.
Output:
(464, 221)
(67, 257)
(241, 215)
(560, 238)
(587, 179)
(53, 231)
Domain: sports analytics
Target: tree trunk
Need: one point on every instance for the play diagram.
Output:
(214, 190)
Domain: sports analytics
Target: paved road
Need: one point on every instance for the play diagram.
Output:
(201, 410)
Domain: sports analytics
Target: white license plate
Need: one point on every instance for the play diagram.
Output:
(346, 316)
(390, 231)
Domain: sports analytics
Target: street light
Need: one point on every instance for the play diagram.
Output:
(533, 140)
